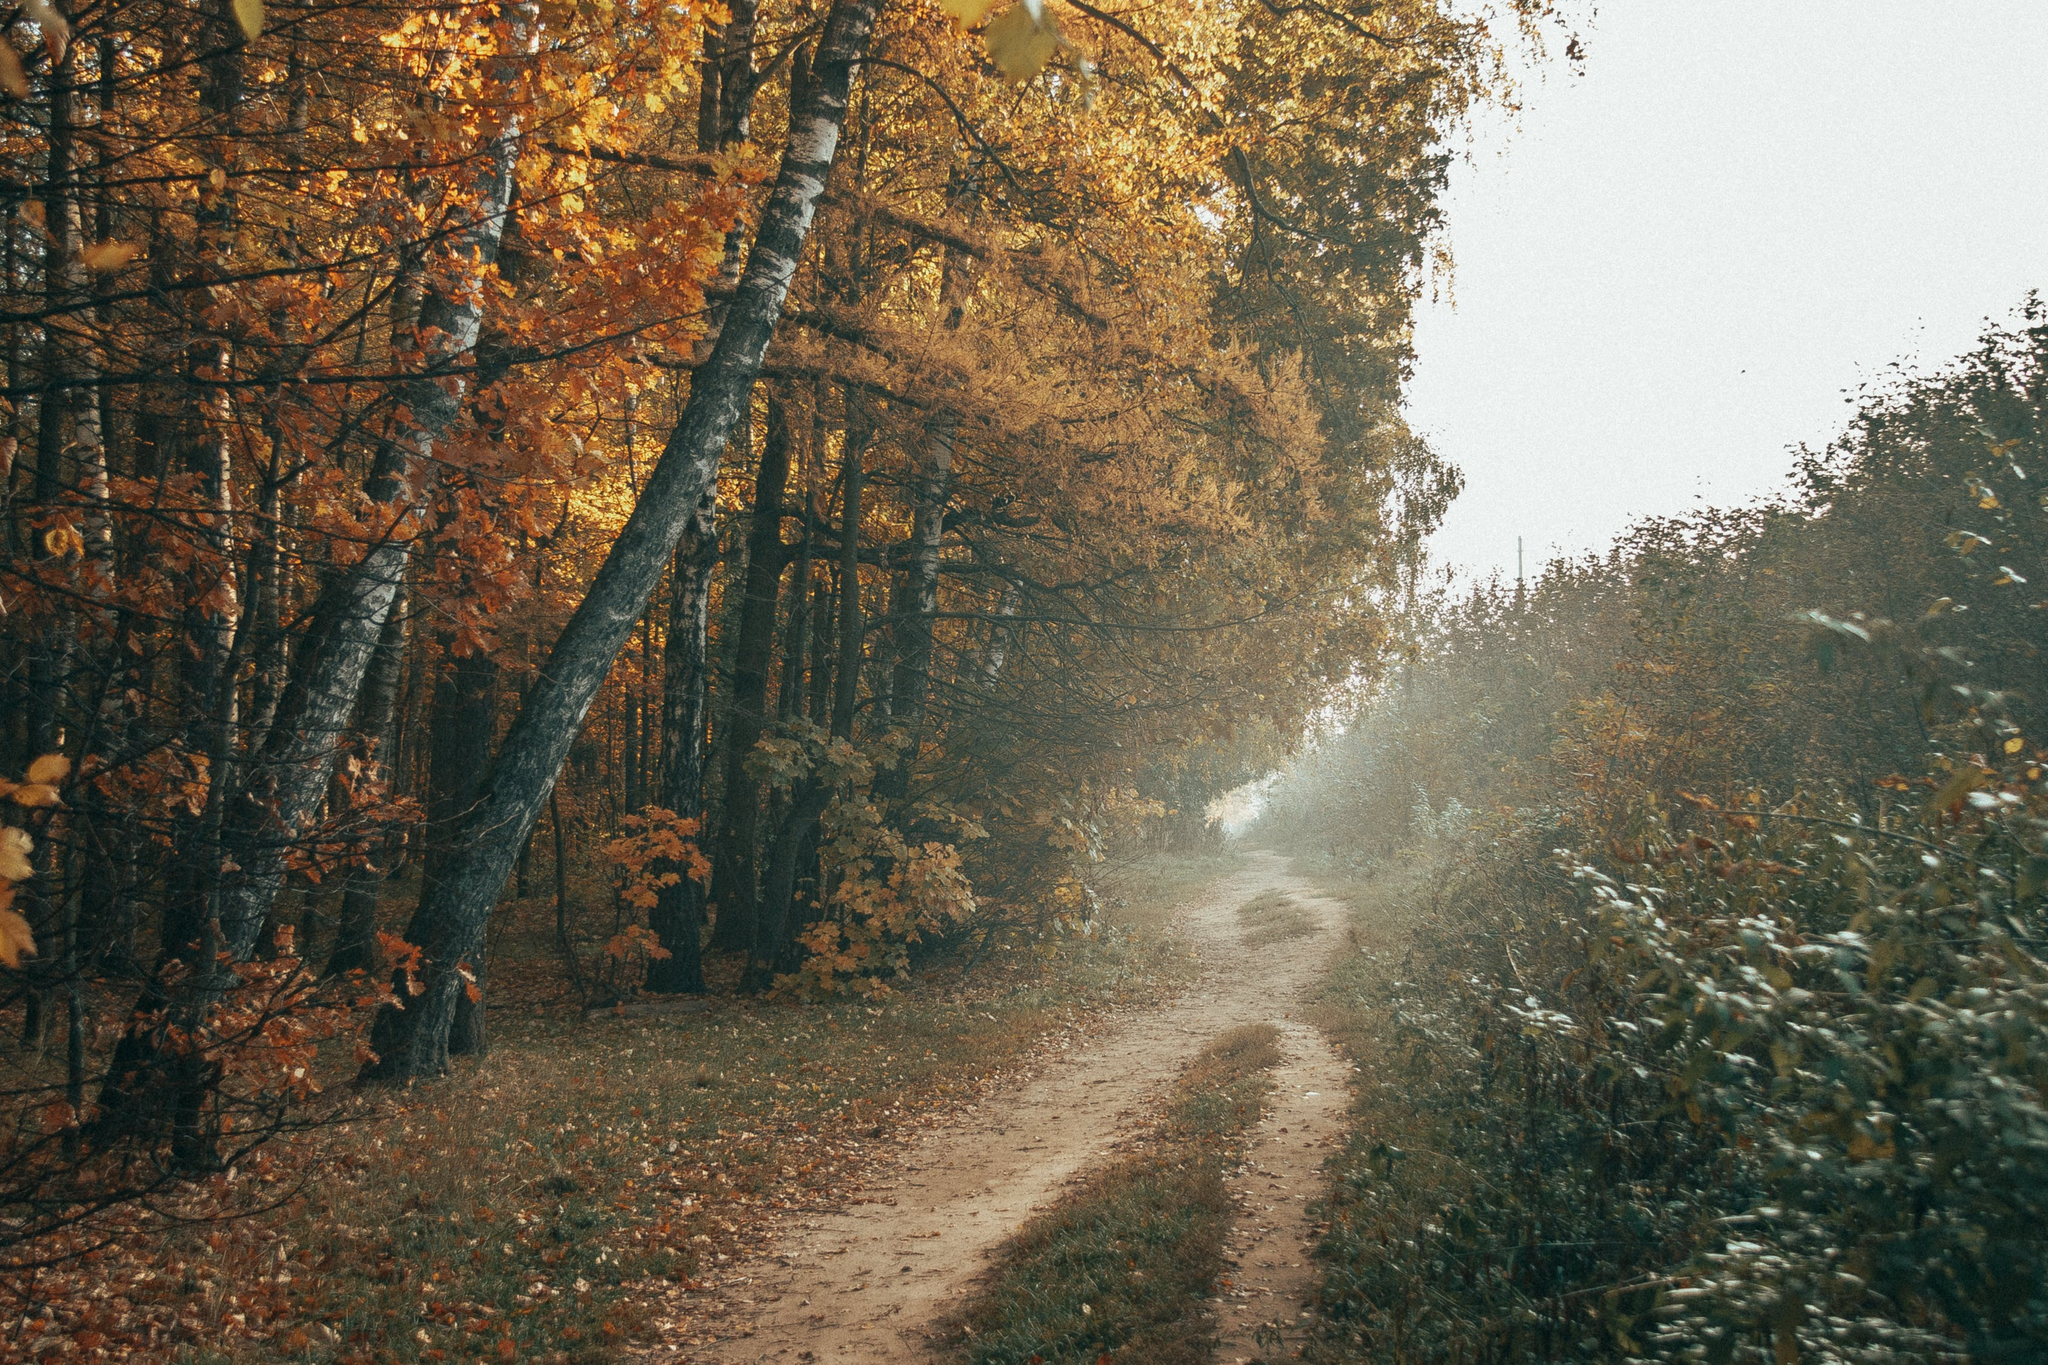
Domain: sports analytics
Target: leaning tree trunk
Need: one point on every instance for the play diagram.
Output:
(733, 879)
(296, 764)
(289, 776)
(413, 1041)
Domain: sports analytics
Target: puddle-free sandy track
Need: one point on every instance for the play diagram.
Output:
(867, 1283)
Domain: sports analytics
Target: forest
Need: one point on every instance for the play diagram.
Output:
(526, 507)
(615, 615)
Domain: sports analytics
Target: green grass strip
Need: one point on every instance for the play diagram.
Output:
(1118, 1270)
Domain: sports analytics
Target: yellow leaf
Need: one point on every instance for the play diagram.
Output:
(249, 14)
(15, 846)
(1019, 45)
(15, 938)
(109, 256)
(13, 79)
(967, 12)
(34, 794)
(2015, 744)
(49, 768)
(62, 540)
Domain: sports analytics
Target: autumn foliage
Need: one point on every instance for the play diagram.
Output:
(346, 346)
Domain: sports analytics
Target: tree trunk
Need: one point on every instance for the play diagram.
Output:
(355, 946)
(846, 693)
(733, 878)
(678, 915)
(294, 768)
(775, 934)
(682, 487)
(911, 686)
(463, 722)
(789, 691)
(776, 928)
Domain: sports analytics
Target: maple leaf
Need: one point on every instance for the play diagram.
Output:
(967, 12)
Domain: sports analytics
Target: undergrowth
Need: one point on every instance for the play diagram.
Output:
(1119, 1269)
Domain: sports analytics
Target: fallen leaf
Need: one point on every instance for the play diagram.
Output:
(967, 12)
(13, 79)
(16, 940)
(108, 256)
(15, 846)
(1020, 45)
(56, 32)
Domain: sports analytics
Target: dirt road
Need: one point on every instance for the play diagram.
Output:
(866, 1283)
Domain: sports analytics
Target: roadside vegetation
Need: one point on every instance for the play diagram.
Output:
(1121, 1270)
(1697, 974)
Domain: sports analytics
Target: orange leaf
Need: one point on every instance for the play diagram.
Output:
(13, 79)
(15, 939)
(49, 768)
(56, 32)
(108, 256)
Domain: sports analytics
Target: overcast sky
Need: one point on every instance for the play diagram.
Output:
(1675, 266)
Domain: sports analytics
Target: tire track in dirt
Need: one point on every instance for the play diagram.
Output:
(1263, 1311)
(868, 1282)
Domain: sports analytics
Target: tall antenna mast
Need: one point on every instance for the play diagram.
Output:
(1518, 563)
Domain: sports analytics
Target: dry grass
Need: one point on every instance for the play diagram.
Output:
(1119, 1270)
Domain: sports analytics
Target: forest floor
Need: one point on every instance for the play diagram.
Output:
(882, 1277)
(753, 1180)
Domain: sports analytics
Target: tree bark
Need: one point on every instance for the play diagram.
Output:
(413, 1041)
(733, 877)
(776, 928)
(846, 693)
(355, 946)
(294, 768)
(911, 685)
(464, 721)
(678, 915)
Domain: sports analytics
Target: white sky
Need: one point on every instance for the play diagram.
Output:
(1678, 263)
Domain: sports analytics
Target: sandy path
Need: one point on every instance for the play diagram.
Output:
(1263, 1311)
(865, 1284)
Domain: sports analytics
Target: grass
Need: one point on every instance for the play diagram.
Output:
(1120, 1269)
(566, 1196)
(1384, 991)
(1274, 917)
